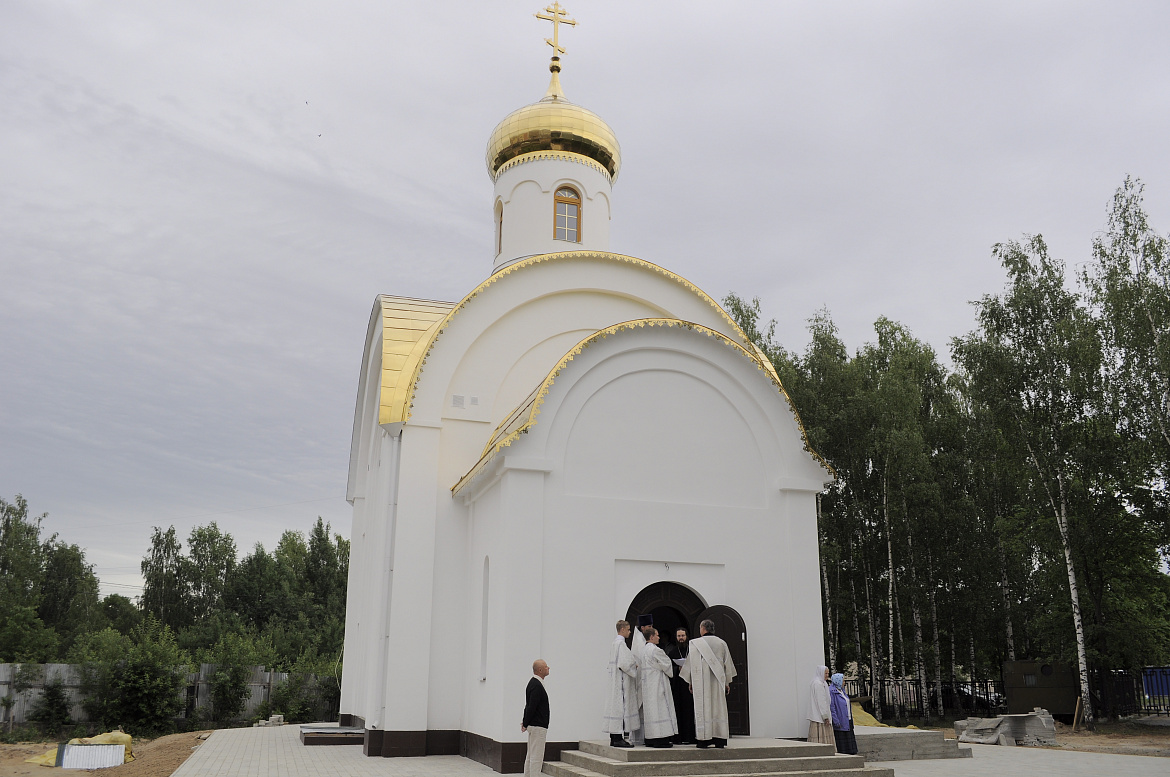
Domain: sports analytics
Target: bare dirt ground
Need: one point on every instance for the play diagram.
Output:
(1123, 738)
(152, 758)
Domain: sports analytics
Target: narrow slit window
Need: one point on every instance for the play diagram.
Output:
(483, 624)
(567, 225)
(499, 228)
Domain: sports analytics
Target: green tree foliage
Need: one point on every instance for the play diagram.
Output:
(295, 595)
(1016, 507)
(311, 692)
(23, 635)
(121, 613)
(210, 560)
(1036, 366)
(234, 656)
(70, 602)
(134, 681)
(52, 711)
(98, 654)
(1129, 293)
(280, 610)
(163, 594)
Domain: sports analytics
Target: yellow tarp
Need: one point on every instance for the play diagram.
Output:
(48, 759)
(863, 718)
(109, 738)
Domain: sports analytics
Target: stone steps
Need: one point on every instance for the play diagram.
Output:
(676, 768)
(561, 769)
(759, 748)
(759, 758)
(900, 744)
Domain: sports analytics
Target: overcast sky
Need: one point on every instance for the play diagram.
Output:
(200, 200)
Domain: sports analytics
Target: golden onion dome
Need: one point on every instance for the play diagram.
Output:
(550, 126)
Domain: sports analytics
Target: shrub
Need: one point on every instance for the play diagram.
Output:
(147, 684)
(311, 692)
(234, 655)
(134, 681)
(98, 654)
(53, 710)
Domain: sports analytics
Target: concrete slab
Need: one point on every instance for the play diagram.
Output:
(906, 744)
(276, 751)
(995, 761)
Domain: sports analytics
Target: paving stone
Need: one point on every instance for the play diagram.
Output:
(996, 761)
(277, 752)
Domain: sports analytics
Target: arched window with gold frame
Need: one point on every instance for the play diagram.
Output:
(567, 221)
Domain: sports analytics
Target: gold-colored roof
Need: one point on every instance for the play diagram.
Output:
(523, 418)
(406, 323)
(550, 126)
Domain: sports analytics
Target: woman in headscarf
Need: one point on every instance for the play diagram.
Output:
(820, 720)
(842, 716)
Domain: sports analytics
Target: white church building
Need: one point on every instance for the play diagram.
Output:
(584, 437)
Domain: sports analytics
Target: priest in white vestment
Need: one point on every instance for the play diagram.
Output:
(638, 648)
(659, 723)
(709, 671)
(621, 705)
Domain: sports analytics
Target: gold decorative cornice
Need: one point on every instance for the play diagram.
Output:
(397, 407)
(401, 374)
(532, 156)
(524, 416)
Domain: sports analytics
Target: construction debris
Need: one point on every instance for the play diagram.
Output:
(1030, 729)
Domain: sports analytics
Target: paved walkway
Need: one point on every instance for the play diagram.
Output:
(996, 761)
(278, 752)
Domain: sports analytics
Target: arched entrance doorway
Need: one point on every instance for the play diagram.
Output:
(674, 605)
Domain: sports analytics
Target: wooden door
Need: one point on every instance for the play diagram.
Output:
(729, 627)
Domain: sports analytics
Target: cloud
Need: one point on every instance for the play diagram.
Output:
(201, 201)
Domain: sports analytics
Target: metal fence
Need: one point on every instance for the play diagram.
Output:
(1115, 692)
(902, 699)
(1121, 692)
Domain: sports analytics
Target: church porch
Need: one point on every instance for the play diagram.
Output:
(742, 756)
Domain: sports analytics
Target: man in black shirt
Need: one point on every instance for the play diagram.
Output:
(535, 720)
(684, 703)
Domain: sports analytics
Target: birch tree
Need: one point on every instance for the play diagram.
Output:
(1129, 288)
(1036, 362)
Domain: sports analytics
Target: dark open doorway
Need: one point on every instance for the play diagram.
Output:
(674, 605)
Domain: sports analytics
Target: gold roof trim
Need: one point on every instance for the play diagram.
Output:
(524, 417)
(399, 409)
(532, 156)
(405, 323)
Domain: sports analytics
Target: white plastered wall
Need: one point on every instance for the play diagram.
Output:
(526, 191)
(652, 406)
(497, 349)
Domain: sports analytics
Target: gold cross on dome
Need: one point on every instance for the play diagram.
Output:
(558, 16)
